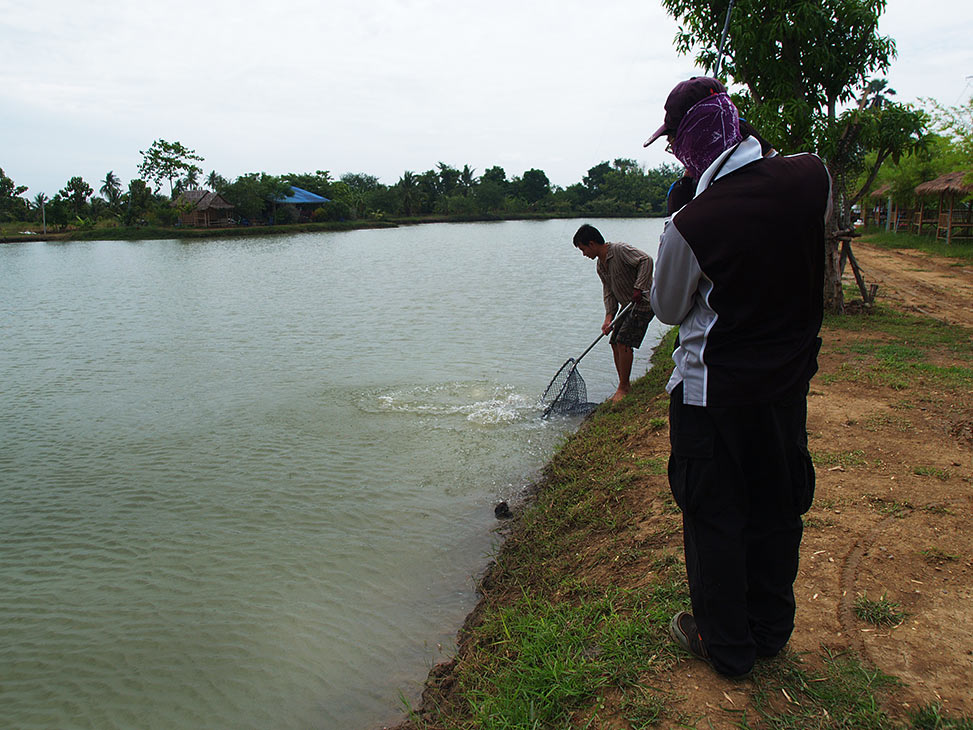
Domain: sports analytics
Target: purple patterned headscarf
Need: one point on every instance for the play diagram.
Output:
(709, 127)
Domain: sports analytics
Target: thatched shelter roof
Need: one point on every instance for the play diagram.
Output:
(951, 182)
(202, 200)
(881, 191)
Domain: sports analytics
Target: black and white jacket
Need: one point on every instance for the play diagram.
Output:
(740, 269)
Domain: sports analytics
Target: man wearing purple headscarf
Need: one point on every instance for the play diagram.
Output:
(740, 270)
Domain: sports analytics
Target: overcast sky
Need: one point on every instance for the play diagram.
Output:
(374, 86)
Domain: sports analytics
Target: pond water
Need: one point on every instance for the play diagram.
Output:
(249, 483)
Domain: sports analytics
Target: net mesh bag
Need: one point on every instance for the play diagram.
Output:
(567, 394)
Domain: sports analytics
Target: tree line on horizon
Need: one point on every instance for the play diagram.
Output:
(619, 188)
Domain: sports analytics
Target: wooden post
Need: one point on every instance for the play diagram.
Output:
(868, 293)
(949, 220)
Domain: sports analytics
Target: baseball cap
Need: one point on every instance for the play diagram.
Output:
(683, 97)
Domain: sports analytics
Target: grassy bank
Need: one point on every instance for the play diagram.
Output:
(571, 631)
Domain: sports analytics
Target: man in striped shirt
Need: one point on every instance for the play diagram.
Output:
(626, 276)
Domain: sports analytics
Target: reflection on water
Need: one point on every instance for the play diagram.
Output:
(247, 483)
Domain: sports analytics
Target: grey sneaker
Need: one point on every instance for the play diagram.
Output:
(683, 631)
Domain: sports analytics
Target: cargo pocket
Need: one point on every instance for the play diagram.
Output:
(802, 479)
(692, 442)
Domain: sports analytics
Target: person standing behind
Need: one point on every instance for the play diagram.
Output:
(740, 270)
(626, 275)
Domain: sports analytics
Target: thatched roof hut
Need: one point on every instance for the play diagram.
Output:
(956, 221)
(952, 183)
(896, 217)
(881, 191)
(206, 208)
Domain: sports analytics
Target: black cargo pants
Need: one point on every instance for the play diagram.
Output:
(742, 477)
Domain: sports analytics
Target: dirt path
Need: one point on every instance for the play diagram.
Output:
(915, 281)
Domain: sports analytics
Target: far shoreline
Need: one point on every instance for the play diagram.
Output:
(155, 233)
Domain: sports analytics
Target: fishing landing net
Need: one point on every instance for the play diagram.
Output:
(567, 395)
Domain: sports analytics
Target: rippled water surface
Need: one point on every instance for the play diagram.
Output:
(247, 483)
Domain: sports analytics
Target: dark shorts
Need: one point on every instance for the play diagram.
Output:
(631, 329)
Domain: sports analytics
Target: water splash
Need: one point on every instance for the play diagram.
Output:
(481, 403)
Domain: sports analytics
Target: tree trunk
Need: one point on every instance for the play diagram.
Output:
(834, 300)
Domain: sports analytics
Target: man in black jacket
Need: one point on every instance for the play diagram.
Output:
(740, 270)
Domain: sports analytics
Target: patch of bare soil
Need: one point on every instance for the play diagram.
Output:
(917, 282)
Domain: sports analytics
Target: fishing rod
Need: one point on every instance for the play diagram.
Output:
(726, 28)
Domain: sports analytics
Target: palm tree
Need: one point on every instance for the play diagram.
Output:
(111, 184)
(39, 201)
(409, 189)
(191, 181)
(111, 188)
(215, 181)
(466, 179)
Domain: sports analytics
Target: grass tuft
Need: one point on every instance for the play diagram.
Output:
(881, 612)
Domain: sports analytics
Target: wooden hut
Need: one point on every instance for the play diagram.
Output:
(877, 214)
(955, 215)
(203, 208)
(895, 217)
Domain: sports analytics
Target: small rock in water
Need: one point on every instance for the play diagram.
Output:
(502, 511)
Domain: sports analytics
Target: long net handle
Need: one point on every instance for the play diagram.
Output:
(719, 53)
(610, 328)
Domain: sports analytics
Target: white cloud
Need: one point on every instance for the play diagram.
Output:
(379, 87)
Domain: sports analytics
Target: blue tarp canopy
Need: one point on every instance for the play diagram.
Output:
(299, 195)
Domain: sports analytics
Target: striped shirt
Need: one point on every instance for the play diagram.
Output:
(624, 269)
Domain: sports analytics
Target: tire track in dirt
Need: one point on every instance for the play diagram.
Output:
(847, 582)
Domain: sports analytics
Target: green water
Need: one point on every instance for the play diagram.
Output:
(248, 483)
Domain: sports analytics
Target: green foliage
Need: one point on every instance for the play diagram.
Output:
(864, 137)
(448, 179)
(319, 183)
(495, 175)
(138, 200)
(40, 203)
(216, 182)
(12, 206)
(797, 59)
(253, 194)
(76, 193)
(58, 211)
(448, 191)
(335, 210)
(533, 186)
(956, 124)
(623, 187)
(169, 161)
(408, 190)
(936, 156)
